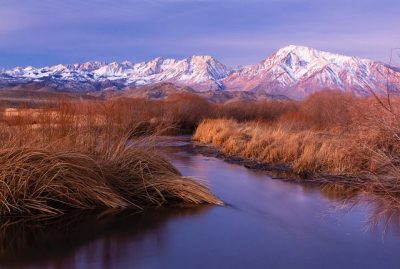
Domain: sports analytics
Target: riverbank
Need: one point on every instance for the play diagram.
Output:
(331, 137)
(87, 156)
(265, 219)
(355, 159)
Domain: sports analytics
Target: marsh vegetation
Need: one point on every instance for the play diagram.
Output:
(74, 153)
(331, 137)
(86, 155)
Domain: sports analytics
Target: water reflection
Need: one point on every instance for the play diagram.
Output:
(269, 224)
(85, 237)
(380, 215)
(383, 218)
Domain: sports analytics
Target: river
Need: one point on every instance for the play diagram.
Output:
(267, 223)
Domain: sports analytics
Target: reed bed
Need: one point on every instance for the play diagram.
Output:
(87, 156)
(331, 137)
(306, 151)
(35, 182)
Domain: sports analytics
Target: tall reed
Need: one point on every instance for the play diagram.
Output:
(82, 156)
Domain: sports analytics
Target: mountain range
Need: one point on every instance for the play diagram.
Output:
(293, 71)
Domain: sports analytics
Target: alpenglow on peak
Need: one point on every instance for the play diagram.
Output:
(293, 71)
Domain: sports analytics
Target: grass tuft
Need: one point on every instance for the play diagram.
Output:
(86, 156)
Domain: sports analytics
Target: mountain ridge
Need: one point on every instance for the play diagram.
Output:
(293, 71)
(297, 71)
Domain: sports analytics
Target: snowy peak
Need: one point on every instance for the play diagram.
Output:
(300, 57)
(153, 67)
(88, 66)
(199, 72)
(294, 71)
(310, 54)
(297, 71)
(113, 69)
(201, 69)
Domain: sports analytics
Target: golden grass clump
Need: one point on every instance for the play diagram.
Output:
(43, 182)
(35, 181)
(82, 156)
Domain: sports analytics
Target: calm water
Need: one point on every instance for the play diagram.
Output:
(268, 224)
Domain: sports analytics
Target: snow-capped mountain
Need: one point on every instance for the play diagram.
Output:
(293, 71)
(297, 71)
(202, 73)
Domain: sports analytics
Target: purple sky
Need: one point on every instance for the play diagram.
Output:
(47, 32)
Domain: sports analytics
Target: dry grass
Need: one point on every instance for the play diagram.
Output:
(37, 182)
(178, 114)
(81, 156)
(330, 137)
(305, 150)
(76, 154)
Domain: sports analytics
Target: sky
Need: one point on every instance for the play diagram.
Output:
(236, 32)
